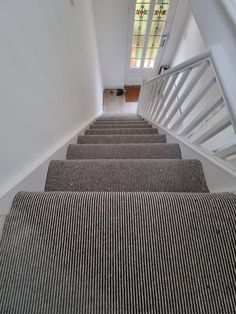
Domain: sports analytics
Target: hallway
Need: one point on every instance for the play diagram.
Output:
(117, 104)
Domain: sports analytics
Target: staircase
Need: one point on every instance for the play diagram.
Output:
(125, 225)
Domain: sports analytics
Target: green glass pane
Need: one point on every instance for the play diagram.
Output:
(154, 41)
(138, 41)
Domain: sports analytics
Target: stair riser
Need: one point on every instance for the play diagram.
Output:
(124, 151)
(130, 175)
(119, 139)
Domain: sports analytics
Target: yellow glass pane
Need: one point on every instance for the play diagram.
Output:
(151, 53)
(140, 28)
(157, 28)
(154, 41)
(138, 41)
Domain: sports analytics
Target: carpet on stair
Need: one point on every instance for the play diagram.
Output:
(119, 139)
(124, 151)
(119, 253)
(120, 122)
(126, 175)
(121, 126)
(121, 131)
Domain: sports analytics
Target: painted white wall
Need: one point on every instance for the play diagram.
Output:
(177, 29)
(190, 44)
(111, 18)
(219, 34)
(50, 83)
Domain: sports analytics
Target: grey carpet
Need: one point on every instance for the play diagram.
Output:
(119, 139)
(126, 175)
(121, 126)
(124, 151)
(115, 118)
(120, 122)
(121, 131)
(67, 253)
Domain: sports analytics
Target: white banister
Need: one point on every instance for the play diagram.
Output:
(188, 100)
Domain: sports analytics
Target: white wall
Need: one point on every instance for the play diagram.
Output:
(50, 82)
(111, 18)
(190, 43)
(219, 34)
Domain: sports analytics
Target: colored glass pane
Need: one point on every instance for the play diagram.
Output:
(156, 31)
(139, 31)
(154, 41)
(135, 63)
(136, 53)
(140, 28)
(138, 41)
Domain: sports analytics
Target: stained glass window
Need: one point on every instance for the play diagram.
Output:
(139, 32)
(143, 47)
(156, 31)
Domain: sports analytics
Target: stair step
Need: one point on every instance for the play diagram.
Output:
(126, 176)
(119, 119)
(121, 126)
(119, 139)
(117, 116)
(124, 151)
(120, 122)
(119, 253)
(121, 131)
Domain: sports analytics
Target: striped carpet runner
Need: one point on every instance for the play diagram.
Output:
(125, 225)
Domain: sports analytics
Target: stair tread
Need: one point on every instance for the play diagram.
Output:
(121, 131)
(120, 122)
(116, 139)
(124, 151)
(120, 126)
(126, 175)
(134, 252)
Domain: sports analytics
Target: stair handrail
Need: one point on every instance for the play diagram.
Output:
(189, 102)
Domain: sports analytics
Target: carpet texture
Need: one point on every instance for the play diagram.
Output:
(119, 122)
(124, 151)
(119, 253)
(119, 139)
(121, 131)
(120, 126)
(126, 175)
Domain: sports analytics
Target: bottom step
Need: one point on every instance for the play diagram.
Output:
(119, 253)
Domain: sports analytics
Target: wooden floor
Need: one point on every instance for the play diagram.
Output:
(117, 104)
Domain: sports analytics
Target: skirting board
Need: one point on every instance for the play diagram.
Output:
(34, 178)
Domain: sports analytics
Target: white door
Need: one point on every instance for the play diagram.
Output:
(149, 25)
